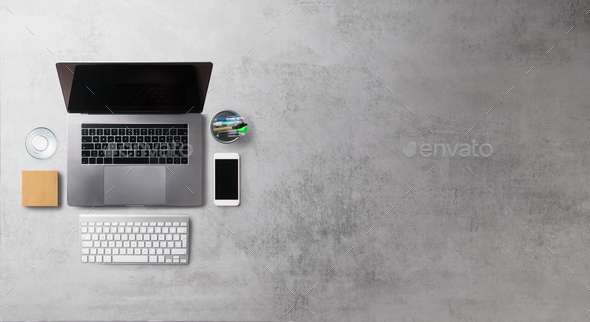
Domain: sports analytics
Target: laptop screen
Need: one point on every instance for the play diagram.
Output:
(135, 88)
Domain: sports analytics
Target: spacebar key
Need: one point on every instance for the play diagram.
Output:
(131, 160)
(130, 259)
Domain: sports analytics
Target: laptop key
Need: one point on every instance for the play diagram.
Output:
(97, 146)
(121, 131)
(169, 160)
(143, 131)
(158, 131)
(140, 139)
(184, 139)
(85, 153)
(108, 154)
(117, 139)
(153, 160)
(183, 160)
(88, 146)
(92, 161)
(176, 160)
(154, 139)
(150, 131)
(125, 139)
(95, 139)
(101, 153)
(99, 160)
(84, 160)
(86, 139)
(108, 160)
(132, 139)
(92, 132)
(131, 160)
(107, 131)
(162, 160)
(94, 153)
(182, 132)
(99, 132)
(111, 139)
(84, 131)
(103, 138)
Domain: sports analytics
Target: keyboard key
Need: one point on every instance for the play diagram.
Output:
(158, 131)
(92, 132)
(95, 139)
(131, 161)
(130, 259)
(183, 160)
(84, 131)
(85, 153)
(94, 153)
(99, 160)
(92, 161)
(182, 132)
(107, 132)
(143, 131)
(99, 132)
(111, 139)
(117, 139)
(86, 139)
(135, 131)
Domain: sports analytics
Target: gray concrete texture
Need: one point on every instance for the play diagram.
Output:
(333, 93)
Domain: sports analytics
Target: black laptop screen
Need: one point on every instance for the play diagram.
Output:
(120, 88)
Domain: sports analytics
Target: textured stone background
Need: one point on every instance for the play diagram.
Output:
(500, 238)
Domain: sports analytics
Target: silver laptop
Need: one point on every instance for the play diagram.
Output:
(135, 132)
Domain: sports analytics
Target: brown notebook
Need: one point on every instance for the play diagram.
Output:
(40, 188)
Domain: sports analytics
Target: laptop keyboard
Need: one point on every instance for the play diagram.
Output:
(135, 144)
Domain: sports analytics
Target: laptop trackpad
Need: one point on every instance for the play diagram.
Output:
(134, 185)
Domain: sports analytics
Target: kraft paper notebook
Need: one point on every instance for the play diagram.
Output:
(40, 188)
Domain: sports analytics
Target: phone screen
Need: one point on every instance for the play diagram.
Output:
(226, 179)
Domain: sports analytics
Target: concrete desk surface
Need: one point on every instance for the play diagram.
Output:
(487, 220)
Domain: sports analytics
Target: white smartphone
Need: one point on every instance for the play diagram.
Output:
(227, 179)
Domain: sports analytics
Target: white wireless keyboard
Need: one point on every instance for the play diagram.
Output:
(134, 239)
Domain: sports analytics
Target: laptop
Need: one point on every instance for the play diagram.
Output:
(135, 132)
